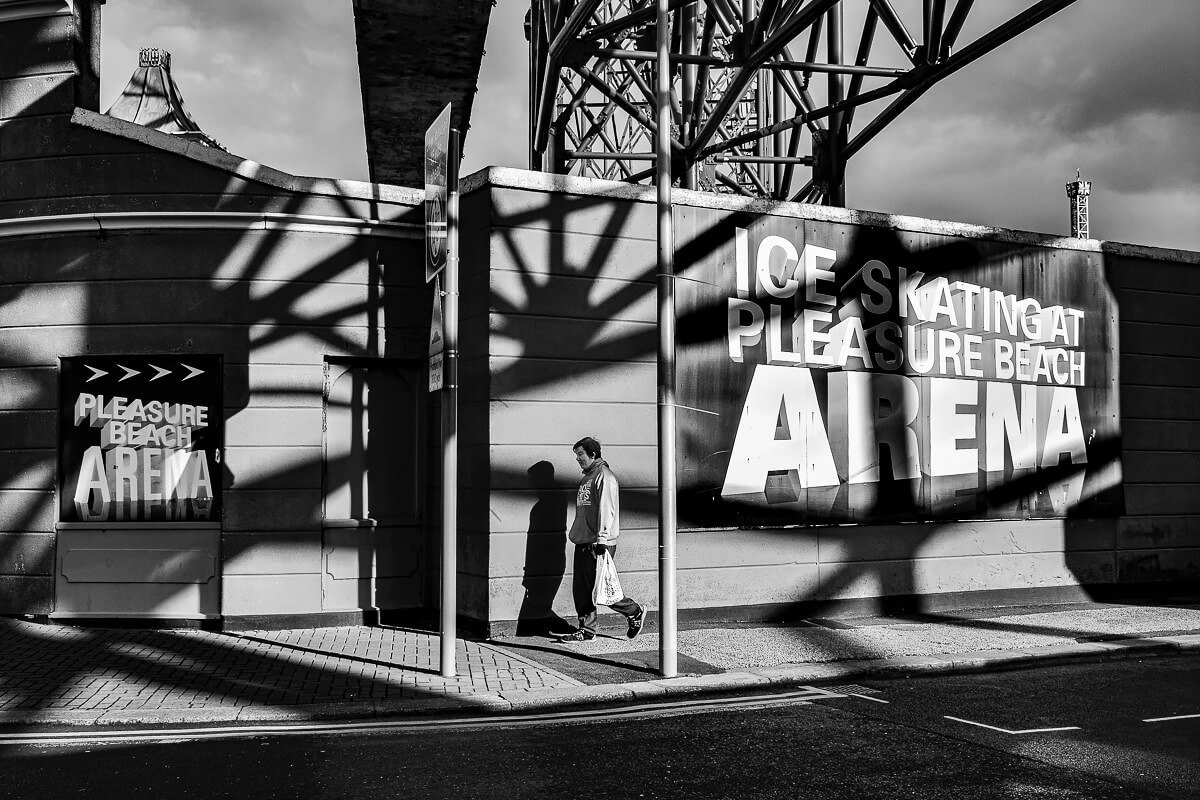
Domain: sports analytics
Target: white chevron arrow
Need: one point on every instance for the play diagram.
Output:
(160, 372)
(192, 371)
(129, 373)
(96, 373)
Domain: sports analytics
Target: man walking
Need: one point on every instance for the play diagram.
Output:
(595, 530)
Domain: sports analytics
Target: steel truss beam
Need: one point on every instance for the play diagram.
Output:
(745, 111)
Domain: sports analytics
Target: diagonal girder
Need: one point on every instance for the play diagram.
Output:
(745, 112)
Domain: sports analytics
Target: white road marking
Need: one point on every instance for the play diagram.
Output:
(1014, 733)
(868, 697)
(803, 695)
(1168, 719)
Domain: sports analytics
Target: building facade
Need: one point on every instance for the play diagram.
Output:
(286, 317)
(874, 411)
(214, 408)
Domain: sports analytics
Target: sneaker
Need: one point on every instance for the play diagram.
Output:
(578, 636)
(635, 623)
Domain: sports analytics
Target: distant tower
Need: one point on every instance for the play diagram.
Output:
(1078, 190)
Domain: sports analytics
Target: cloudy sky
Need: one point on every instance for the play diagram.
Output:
(1111, 88)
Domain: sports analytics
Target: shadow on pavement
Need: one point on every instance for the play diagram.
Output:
(603, 668)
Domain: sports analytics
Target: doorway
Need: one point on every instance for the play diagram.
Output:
(374, 549)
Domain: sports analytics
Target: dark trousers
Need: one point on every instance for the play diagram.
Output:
(584, 582)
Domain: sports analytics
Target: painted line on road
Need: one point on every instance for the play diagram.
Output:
(1170, 719)
(803, 695)
(868, 697)
(1015, 733)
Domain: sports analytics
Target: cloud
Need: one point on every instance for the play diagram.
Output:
(273, 80)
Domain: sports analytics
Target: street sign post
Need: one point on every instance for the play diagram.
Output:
(438, 166)
(441, 246)
(437, 340)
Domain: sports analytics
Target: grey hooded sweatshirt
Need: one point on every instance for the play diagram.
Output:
(597, 507)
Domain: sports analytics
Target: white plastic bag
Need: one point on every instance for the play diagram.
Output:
(608, 586)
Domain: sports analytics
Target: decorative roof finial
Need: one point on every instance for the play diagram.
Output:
(154, 57)
(153, 100)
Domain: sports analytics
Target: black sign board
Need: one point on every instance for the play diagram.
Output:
(140, 438)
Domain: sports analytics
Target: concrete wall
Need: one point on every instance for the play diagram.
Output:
(567, 267)
(558, 328)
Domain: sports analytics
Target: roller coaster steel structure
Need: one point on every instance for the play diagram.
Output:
(741, 101)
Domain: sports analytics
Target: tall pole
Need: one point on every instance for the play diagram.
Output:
(837, 173)
(688, 180)
(668, 651)
(450, 421)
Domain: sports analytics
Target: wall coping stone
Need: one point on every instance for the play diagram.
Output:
(244, 167)
(205, 220)
(504, 177)
(27, 9)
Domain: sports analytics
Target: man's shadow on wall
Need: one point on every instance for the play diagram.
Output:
(545, 555)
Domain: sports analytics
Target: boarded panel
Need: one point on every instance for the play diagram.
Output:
(272, 510)
(1159, 371)
(1144, 274)
(279, 427)
(264, 553)
(540, 256)
(1159, 306)
(944, 575)
(538, 512)
(26, 510)
(27, 429)
(1137, 566)
(1145, 402)
(262, 343)
(1151, 499)
(837, 372)
(594, 215)
(556, 424)
(1153, 339)
(27, 469)
(27, 553)
(95, 565)
(539, 336)
(590, 298)
(253, 595)
(273, 467)
(1161, 532)
(636, 467)
(145, 572)
(1143, 434)
(193, 302)
(514, 378)
(33, 96)
(29, 387)
(1161, 467)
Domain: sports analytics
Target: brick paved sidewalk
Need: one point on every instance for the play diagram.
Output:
(51, 673)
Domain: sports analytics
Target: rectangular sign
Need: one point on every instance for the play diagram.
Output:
(837, 373)
(140, 438)
(438, 182)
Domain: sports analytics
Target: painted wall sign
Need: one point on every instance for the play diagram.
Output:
(140, 438)
(844, 373)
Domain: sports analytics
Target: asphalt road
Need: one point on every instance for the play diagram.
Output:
(1071, 731)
